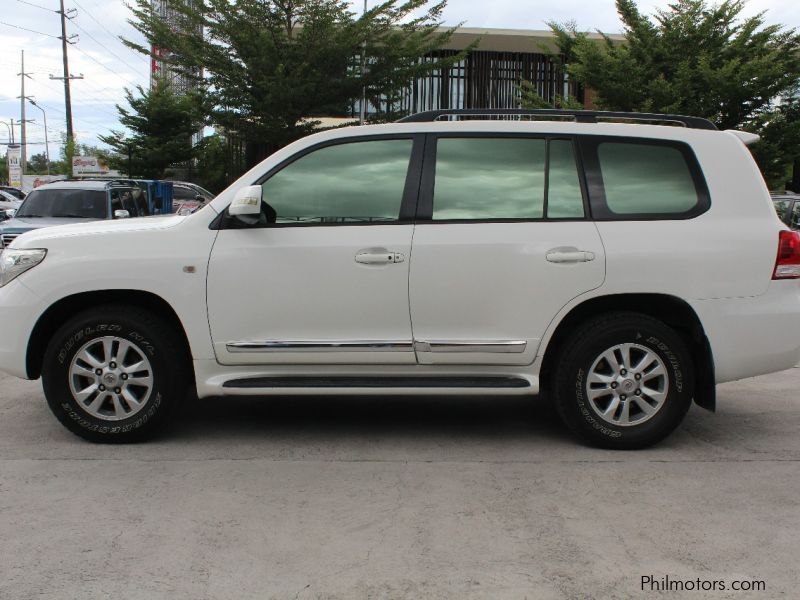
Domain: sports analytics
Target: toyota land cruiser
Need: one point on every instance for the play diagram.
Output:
(621, 268)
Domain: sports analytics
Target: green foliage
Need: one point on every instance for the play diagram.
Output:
(778, 153)
(213, 163)
(161, 124)
(697, 59)
(271, 66)
(37, 164)
(530, 98)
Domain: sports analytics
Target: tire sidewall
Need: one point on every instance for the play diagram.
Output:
(73, 336)
(574, 403)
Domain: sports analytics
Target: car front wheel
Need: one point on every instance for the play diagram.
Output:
(114, 373)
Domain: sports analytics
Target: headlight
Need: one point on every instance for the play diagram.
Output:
(14, 263)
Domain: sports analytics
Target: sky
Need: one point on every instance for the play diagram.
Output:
(108, 67)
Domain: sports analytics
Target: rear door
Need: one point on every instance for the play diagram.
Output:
(502, 243)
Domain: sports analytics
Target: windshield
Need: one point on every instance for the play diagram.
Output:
(76, 204)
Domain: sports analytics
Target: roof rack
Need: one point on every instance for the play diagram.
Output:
(580, 116)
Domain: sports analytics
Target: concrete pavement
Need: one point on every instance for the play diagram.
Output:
(399, 498)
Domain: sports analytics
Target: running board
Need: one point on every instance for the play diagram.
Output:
(500, 382)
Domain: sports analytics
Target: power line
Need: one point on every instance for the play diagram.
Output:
(29, 30)
(36, 5)
(106, 48)
(108, 31)
(93, 59)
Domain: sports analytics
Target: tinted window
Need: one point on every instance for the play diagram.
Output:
(485, 178)
(504, 178)
(355, 182)
(183, 193)
(795, 220)
(781, 207)
(564, 196)
(88, 204)
(646, 179)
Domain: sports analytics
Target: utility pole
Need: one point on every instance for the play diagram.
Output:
(65, 41)
(23, 120)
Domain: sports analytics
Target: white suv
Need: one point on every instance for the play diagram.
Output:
(621, 268)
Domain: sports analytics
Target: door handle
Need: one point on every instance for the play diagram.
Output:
(569, 255)
(379, 257)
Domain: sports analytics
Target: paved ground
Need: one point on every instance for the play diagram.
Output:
(398, 498)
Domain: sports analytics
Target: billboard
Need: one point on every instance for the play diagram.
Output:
(89, 165)
(14, 157)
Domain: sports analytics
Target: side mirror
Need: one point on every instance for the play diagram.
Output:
(246, 205)
(121, 214)
(199, 197)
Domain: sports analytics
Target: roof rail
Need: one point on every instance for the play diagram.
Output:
(580, 116)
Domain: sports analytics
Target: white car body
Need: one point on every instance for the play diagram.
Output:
(301, 285)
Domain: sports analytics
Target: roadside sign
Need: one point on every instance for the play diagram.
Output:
(14, 157)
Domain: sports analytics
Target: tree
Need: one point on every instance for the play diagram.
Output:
(37, 164)
(692, 58)
(271, 66)
(213, 163)
(161, 124)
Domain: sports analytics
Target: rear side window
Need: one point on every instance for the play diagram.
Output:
(782, 208)
(645, 179)
(481, 179)
(794, 223)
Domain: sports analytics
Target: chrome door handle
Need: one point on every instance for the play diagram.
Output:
(379, 258)
(569, 255)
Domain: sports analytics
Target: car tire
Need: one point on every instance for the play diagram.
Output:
(623, 381)
(115, 374)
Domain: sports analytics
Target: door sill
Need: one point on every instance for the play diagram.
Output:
(394, 382)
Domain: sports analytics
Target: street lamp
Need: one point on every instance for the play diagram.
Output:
(46, 145)
(10, 129)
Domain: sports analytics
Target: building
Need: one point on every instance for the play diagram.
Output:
(180, 80)
(490, 75)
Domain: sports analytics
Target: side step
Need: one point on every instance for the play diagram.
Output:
(336, 381)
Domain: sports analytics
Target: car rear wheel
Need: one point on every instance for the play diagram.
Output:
(115, 373)
(624, 381)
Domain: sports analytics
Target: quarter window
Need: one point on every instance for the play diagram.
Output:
(646, 179)
(505, 178)
(795, 220)
(346, 183)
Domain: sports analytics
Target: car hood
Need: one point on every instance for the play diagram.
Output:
(25, 224)
(54, 228)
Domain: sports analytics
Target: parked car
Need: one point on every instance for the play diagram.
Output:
(189, 197)
(16, 192)
(787, 206)
(623, 269)
(65, 202)
(8, 205)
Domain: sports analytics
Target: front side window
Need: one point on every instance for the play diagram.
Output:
(506, 178)
(646, 179)
(354, 182)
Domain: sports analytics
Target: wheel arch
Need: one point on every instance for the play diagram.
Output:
(671, 310)
(49, 322)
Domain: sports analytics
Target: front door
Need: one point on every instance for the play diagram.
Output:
(323, 277)
(502, 243)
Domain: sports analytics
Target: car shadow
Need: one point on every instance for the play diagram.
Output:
(359, 416)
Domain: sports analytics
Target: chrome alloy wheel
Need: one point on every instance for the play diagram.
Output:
(111, 378)
(627, 384)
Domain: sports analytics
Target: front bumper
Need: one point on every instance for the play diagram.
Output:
(19, 310)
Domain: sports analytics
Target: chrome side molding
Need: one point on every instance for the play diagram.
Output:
(492, 347)
(321, 346)
(436, 346)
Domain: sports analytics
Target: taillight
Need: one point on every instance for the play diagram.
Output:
(787, 266)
